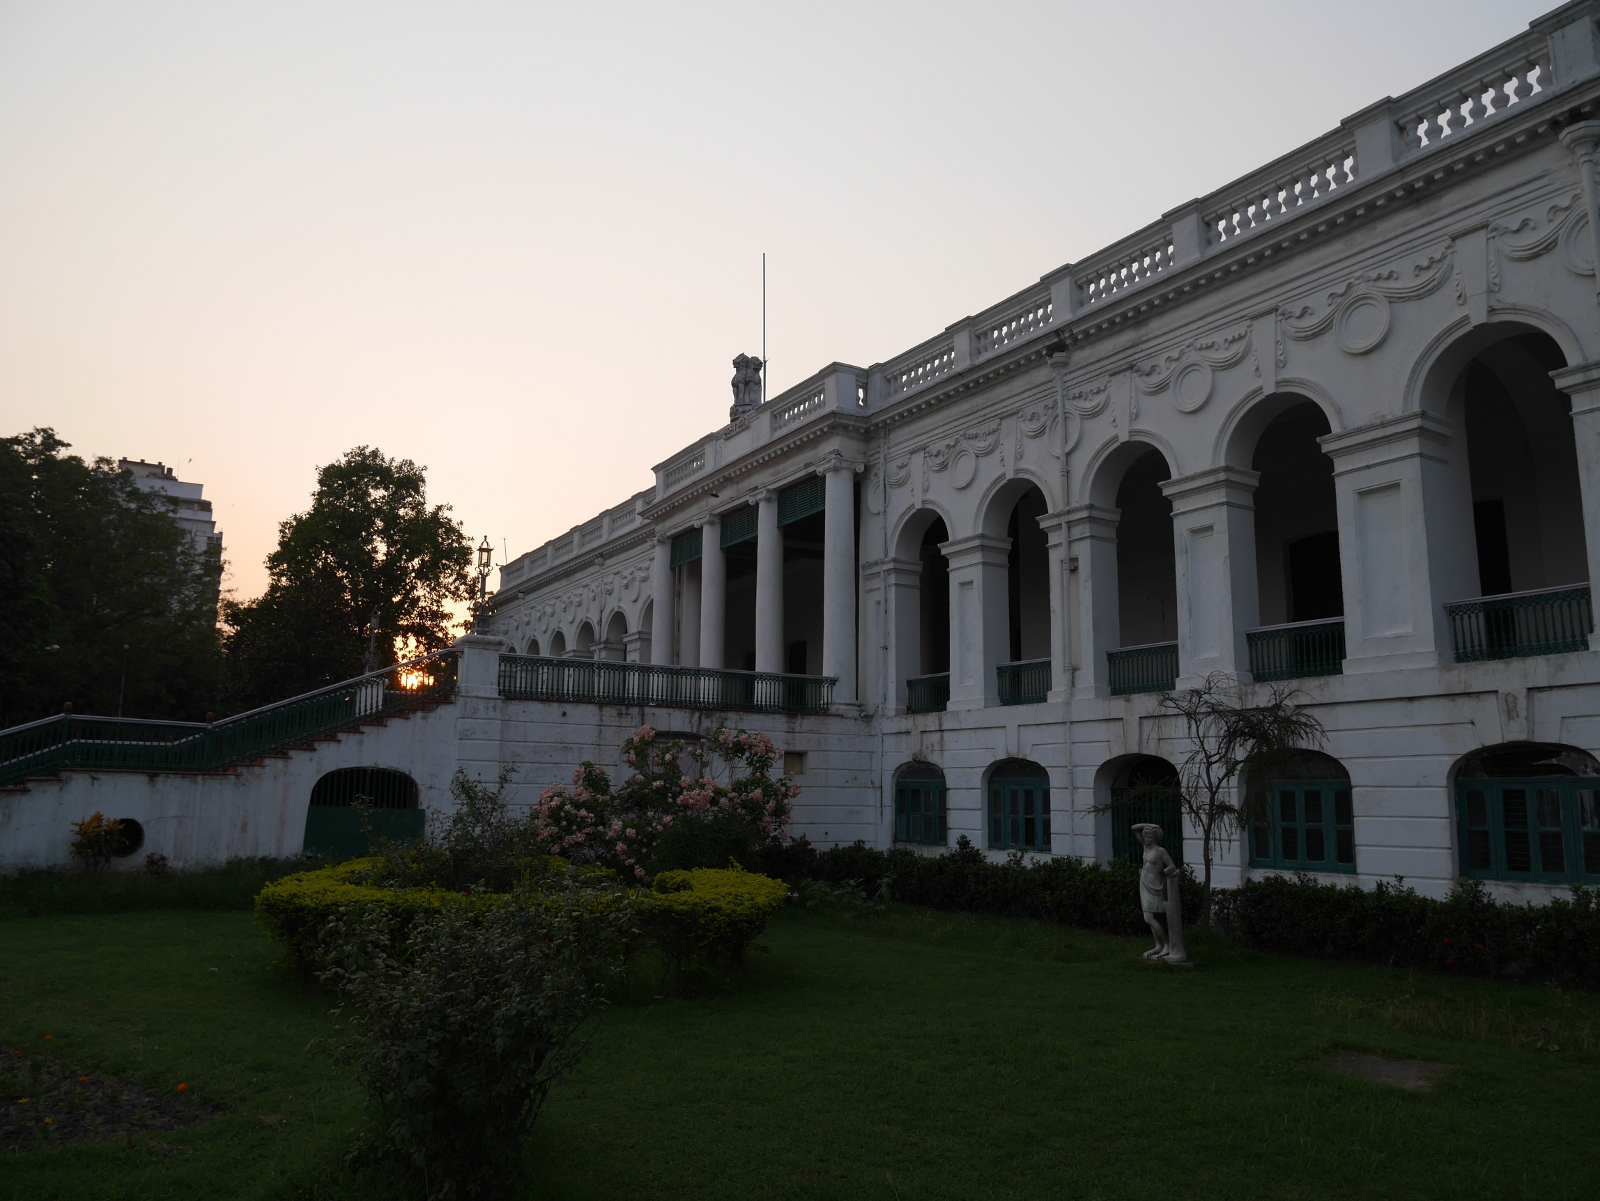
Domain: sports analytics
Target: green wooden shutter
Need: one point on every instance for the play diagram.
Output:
(802, 500)
(686, 547)
(738, 526)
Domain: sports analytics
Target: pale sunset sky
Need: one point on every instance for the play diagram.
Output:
(520, 243)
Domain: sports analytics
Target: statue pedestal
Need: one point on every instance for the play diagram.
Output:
(1176, 953)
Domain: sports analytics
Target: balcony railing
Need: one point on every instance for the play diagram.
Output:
(928, 694)
(1026, 683)
(1297, 650)
(1521, 624)
(1149, 668)
(44, 748)
(538, 678)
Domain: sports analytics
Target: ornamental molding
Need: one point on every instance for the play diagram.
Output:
(959, 455)
(1358, 310)
(1190, 370)
(1564, 225)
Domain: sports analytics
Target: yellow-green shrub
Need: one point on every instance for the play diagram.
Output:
(712, 914)
(296, 908)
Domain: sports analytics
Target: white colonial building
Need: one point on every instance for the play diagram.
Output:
(1337, 422)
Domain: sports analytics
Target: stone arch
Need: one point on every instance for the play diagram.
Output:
(1012, 510)
(1102, 475)
(335, 826)
(913, 524)
(1000, 498)
(558, 643)
(1236, 440)
(583, 641)
(1432, 377)
(1129, 789)
(533, 646)
(615, 647)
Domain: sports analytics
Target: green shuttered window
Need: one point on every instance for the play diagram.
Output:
(919, 813)
(686, 547)
(1308, 826)
(1019, 815)
(738, 526)
(802, 500)
(1539, 830)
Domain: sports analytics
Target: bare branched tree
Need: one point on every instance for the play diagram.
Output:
(1226, 736)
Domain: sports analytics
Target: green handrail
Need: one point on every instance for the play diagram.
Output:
(1519, 625)
(928, 694)
(1149, 668)
(1297, 650)
(70, 740)
(1026, 683)
(603, 682)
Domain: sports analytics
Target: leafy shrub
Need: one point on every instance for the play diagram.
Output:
(1469, 933)
(458, 1032)
(709, 915)
(234, 885)
(680, 806)
(297, 909)
(97, 839)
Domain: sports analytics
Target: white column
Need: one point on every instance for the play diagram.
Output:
(1582, 383)
(1214, 527)
(769, 585)
(713, 594)
(1406, 542)
(902, 588)
(1092, 544)
(1055, 533)
(662, 587)
(980, 625)
(839, 582)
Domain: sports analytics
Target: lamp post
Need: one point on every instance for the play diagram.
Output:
(485, 563)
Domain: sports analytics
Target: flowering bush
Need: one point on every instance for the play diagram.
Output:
(97, 839)
(679, 803)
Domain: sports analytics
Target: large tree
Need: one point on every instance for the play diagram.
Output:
(104, 600)
(370, 542)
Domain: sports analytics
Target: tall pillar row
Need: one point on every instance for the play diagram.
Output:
(839, 581)
(713, 594)
(769, 584)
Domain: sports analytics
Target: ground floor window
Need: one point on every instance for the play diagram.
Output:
(1306, 826)
(1019, 813)
(1545, 830)
(919, 812)
(1146, 790)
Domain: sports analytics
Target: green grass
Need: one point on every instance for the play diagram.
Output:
(912, 1055)
(47, 892)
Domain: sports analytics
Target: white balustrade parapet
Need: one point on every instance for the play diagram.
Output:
(1012, 320)
(921, 366)
(792, 412)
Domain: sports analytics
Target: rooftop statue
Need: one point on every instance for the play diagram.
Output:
(746, 386)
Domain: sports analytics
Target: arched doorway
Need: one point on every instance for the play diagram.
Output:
(1302, 817)
(1019, 807)
(1025, 679)
(1530, 812)
(347, 803)
(919, 806)
(583, 644)
(1147, 574)
(921, 613)
(533, 646)
(1145, 789)
(558, 644)
(615, 647)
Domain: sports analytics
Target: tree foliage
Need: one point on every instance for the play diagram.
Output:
(1232, 741)
(89, 564)
(370, 541)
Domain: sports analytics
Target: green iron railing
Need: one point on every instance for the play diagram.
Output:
(1297, 650)
(1026, 683)
(928, 694)
(1521, 624)
(44, 748)
(541, 678)
(1149, 668)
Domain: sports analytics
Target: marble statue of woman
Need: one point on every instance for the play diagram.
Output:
(1159, 898)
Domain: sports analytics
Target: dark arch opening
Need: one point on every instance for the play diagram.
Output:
(1028, 580)
(533, 646)
(933, 600)
(128, 838)
(1019, 806)
(336, 828)
(1147, 572)
(1297, 523)
(1145, 789)
(920, 817)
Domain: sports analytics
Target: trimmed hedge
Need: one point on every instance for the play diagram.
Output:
(1469, 933)
(297, 908)
(713, 914)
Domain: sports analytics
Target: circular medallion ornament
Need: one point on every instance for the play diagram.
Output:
(963, 467)
(1362, 323)
(1191, 387)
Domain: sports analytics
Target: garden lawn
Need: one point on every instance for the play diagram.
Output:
(908, 1055)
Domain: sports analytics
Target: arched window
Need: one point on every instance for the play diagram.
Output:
(1145, 789)
(339, 830)
(584, 643)
(558, 644)
(533, 646)
(1019, 807)
(1302, 816)
(919, 806)
(1530, 811)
